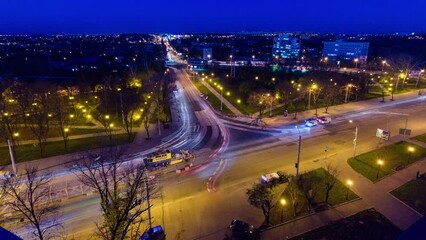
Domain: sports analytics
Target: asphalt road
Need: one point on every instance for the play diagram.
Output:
(200, 204)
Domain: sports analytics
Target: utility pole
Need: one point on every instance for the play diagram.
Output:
(355, 139)
(221, 98)
(147, 199)
(418, 78)
(298, 158)
(309, 99)
(12, 156)
(158, 120)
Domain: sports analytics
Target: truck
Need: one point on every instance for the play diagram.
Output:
(163, 158)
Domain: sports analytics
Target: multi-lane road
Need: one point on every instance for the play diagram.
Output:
(200, 204)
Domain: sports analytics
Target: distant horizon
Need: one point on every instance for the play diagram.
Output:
(21, 17)
(403, 33)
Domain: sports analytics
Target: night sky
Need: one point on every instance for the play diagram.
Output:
(145, 16)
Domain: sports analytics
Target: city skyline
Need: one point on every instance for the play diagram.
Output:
(79, 17)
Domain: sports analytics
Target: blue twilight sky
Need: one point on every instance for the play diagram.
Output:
(143, 16)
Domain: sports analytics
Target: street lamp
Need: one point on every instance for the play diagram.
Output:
(221, 98)
(121, 104)
(349, 183)
(355, 139)
(383, 65)
(270, 106)
(356, 62)
(347, 92)
(410, 151)
(418, 78)
(283, 203)
(380, 163)
(314, 86)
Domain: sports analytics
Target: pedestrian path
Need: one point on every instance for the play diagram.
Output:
(231, 107)
(373, 195)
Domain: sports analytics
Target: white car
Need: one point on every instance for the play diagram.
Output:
(268, 177)
(324, 120)
(5, 175)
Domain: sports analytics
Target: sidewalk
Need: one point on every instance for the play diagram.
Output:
(373, 195)
(231, 107)
(57, 163)
(337, 110)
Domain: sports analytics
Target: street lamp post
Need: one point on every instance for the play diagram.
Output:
(356, 62)
(383, 65)
(311, 89)
(283, 203)
(270, 106)
(349, 183)
(355, 139)
(418, 78)
(410, 151)
(221, 98)
(121, 104)
(380, 163)
(347, 92)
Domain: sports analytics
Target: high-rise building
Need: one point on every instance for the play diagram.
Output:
(207, 53)
(341, 50)
(286, 46)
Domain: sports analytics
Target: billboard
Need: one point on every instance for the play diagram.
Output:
(383, 134)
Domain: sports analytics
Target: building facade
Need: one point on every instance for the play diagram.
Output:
(287, 47)
(349, 51)
(207, 54)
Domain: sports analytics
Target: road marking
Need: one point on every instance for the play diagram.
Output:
(210, 184)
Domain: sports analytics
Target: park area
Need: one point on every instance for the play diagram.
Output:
(413, 194)
(383, 161)
(300, 201)
(368, 224)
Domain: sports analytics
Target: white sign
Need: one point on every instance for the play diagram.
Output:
(383, 134)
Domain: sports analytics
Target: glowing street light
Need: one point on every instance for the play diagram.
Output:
(106, 116)
(380, 163)
(410, 151)
(283, 203)
(16, 134)
(349, 183)
(356, 60)
(312, 88)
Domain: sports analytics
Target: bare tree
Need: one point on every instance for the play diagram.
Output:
(27, 195)
(123, 189)
(401, 67)
(294, 192)
(259, 99)
(307, 186)
(330, 179)
(62, 117)
(261, 196)
(131, 101)
(147, 114)
(330, 94)
(39, 119)
(22, 96)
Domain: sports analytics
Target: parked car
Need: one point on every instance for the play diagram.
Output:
(155, 233)
(241, 228)
(5, 175)
(311, 122)
(324, 120)
(268, 177)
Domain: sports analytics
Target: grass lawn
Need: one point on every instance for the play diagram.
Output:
(421, 138)
(337, 196)
(212, 99)
(30, 152)
(368, 224)
(413, 194)
(392, 156)
(233, 96)
(27, 134)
